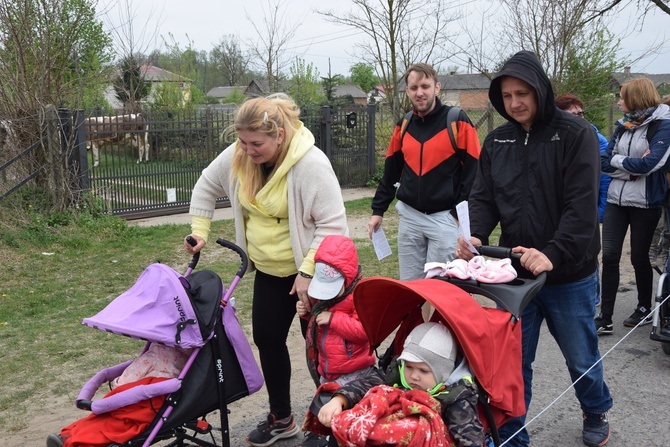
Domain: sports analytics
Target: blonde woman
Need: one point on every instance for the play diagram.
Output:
(285, 199)
(635, 159)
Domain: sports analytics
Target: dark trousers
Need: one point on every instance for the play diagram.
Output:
(642, 223)
(272, 313)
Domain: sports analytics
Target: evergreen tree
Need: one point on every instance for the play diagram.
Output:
(131, 86)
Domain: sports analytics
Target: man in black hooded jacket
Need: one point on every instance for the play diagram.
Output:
(538, 177)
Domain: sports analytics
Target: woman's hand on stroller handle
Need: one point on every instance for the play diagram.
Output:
(193, 244)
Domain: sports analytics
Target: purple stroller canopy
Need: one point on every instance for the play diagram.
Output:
(157, 308)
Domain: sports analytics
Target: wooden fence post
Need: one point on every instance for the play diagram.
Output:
(55, 174)
(489, 121)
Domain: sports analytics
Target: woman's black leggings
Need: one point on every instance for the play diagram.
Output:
(272, 313)
(642, 223)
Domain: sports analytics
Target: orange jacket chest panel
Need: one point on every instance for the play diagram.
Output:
(422, 158)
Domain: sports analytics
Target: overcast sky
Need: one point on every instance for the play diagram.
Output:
(317, 40)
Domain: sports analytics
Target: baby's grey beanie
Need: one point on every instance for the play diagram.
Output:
(433, 344)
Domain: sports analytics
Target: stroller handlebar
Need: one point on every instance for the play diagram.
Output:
(84, 404)
(196, 257)
(244, 260)
(494, 251)
(512, 296)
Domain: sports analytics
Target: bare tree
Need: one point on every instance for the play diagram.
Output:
(400, 33)
(643, 7)
(478, 45)
(553, 30)
(229, 60)
(49, 51)
(133, 46)
(274, 33)
(548, 28)
(52, 54)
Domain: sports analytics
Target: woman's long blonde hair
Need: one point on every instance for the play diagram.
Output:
(266, 115)
(639, 94)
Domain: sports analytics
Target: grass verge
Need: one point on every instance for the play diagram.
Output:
(59, 271)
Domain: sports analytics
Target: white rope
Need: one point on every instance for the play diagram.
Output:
(585, 373)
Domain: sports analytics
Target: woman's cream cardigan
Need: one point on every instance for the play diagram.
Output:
(315, 204)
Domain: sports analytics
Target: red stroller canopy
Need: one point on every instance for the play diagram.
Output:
(489, 339)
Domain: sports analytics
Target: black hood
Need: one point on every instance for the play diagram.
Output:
(526, 66)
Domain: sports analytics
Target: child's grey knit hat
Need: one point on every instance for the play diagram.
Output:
(433, 344)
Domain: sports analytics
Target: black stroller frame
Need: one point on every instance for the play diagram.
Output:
(209, 380)
(511, 297)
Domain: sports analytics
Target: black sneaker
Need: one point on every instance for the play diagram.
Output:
(271, 430)
(54, 440)
(603, 327)
(641, 314)
(314, 440)
(596, 431)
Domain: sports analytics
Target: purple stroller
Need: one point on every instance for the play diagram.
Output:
(191, 311)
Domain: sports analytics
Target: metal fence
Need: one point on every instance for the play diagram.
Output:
(10, 181)
(182, 144)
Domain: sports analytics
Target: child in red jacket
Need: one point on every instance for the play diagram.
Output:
(337, 346)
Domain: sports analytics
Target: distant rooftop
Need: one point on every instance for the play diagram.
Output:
(155, 74)
(657, 79)
(465, 81)
(225, 91)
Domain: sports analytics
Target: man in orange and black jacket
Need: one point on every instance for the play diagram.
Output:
(433, 176)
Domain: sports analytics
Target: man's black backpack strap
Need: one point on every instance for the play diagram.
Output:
(452, 125)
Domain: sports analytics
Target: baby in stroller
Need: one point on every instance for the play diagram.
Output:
(196, 360)
(431, 362)
(158, 362)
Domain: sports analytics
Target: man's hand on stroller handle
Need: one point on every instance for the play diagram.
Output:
(462, 250)
(193, 244)
(534, 260)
